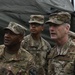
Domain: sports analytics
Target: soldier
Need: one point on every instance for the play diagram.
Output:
(35, 44)
(14, 60)
(61, 59)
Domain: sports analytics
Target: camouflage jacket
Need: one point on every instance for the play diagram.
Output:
(17, 64)
(62, 62)
(38, 51)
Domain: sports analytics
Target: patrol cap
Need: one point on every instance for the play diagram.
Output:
(59, 18)
(37, 19)
(16, 28)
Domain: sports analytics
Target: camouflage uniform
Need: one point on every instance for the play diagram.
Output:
(17, 64)
(72, 35)
(62, 63)
(38, 51)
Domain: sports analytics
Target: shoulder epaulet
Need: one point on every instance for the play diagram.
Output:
(73, 43)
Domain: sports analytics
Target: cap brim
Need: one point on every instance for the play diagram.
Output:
(7, 28)
(54, 22)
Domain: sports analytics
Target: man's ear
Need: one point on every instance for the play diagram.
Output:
(67, 27)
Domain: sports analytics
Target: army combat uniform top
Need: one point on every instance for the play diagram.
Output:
(62, 61)
(37, 48)
(15, 64)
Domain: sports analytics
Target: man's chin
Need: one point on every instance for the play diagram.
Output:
(34, 33)
(6, 44)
